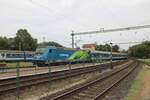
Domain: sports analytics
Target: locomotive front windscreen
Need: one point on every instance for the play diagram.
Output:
(40, 50)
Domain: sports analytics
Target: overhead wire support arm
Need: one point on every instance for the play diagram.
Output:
(102, 30)
(113, 30)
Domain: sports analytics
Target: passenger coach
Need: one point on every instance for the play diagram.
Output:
(104, 55)
(14, 55)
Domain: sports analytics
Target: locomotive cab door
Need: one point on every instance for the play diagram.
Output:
(2, 56)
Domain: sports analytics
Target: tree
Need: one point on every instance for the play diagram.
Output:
(123, 51)
(51, 43)
(107, 47)
(6, 43)
(3, 43)
(115, 48)
(100, 48)
(24, 41)
(141, 50)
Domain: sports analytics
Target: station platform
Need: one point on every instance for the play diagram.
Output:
(41, 70)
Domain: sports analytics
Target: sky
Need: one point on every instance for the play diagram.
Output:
(55, 20)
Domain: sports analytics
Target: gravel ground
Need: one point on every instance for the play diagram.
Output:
(119, 92)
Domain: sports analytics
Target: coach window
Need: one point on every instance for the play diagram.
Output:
(7, 55)
(3, 54)
(30, 55)
(50, 51)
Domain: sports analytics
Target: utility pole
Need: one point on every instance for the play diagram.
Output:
(72, 35)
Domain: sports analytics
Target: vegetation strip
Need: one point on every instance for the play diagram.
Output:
(145, 60)
(137, 85)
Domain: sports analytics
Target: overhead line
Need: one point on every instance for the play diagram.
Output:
(128, 42)
(113, 30)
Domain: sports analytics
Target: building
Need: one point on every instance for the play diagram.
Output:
(88, 46)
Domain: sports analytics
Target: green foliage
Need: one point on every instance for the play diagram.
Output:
(107, 47)
(145, 60)
(3, 43)
(52, 43)
(141, 50)
(6, 43)
(115, 48)
(101, 48)
(123, 51)
(137, 84)
(22, 41)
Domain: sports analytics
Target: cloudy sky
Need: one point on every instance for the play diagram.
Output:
(55, 19)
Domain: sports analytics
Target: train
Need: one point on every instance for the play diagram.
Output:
(45, 55)
(15, 55)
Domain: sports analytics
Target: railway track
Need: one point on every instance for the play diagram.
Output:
(97, 88)
(7, 85)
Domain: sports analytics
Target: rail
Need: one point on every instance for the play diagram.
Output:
(97, 88)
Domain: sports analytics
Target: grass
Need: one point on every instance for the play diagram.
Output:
(145, 60)
(13, 64)
(136, 86)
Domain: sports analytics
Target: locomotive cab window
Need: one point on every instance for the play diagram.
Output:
(50, 51)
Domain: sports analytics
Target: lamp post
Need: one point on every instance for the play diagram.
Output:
(111, 66)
